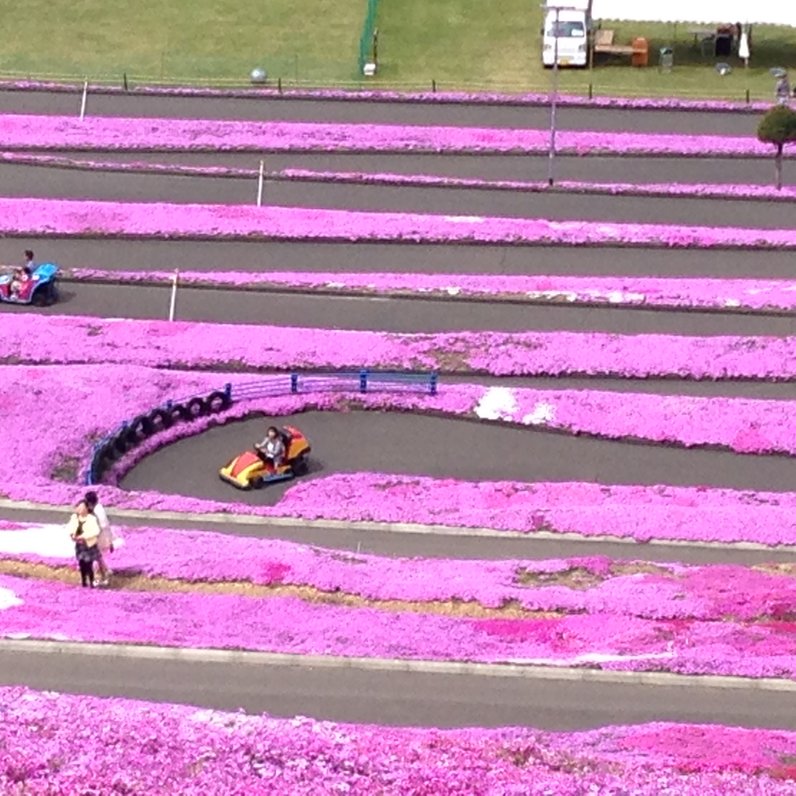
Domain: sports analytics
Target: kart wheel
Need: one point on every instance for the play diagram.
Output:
(39, 298)
(218, 401)
(256, 482)
(196, 407)
(160, 420)
(301, 466)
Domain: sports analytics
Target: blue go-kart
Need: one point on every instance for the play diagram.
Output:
(39, 288)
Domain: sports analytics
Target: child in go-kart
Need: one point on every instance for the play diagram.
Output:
(21, 276)
(272, 449)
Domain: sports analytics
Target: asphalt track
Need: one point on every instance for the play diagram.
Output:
(465, 544)
(37, 181)
(395, 314)
(486, 167)
(395, 698)
(379, 113)
(263, 256)
(390, 442)
(412, 444)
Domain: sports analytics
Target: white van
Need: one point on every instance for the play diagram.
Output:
(572, 34)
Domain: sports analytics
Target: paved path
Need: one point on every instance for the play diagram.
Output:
(400, 258)
(487, 167)
(398, 541)
(21, 180)
(396, 314)
(394, 698)
(378, 113)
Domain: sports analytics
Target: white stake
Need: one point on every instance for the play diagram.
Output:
(260, 185)
(83, 102)
(173, 305)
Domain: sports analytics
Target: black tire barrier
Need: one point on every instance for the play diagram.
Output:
(161, 420)
(218, 401)
(120, 443)
(107, 453)
(140, 429)
(196, 407)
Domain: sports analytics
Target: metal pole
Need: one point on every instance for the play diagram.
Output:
(83, 101)
(260, 184)
(553, 99)
(173, 304)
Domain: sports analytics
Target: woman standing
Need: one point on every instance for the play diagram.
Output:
(84, 531)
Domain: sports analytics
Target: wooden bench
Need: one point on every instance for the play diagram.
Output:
(604, 43)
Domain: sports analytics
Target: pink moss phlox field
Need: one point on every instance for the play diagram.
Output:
(289, 625)
(88, 401)
(667, 591)
(94, 219)
(404, 97)
(138, 747)
(19, 131)
(70, 340)
(686, 190)
(715, 294)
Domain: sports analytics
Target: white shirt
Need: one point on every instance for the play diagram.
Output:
(102, 517)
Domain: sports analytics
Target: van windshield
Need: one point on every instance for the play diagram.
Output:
(566, 30)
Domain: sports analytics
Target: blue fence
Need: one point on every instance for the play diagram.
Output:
(132, 432)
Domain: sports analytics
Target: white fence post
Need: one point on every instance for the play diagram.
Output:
(173, 304)
(260, 181)
(83, 101)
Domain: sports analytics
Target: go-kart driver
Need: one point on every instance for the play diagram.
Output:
(272, 449)
(21, 275)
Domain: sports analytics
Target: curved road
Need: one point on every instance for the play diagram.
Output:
(58, 103)
(391, 442)
(38, 181)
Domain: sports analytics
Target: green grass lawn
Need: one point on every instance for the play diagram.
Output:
(460, 44)
(314, 40)
(467, 43)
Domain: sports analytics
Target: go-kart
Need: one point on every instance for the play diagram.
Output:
(39, 288)
(250, 470)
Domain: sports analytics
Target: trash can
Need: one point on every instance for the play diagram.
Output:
(641, 52)
(666, 59)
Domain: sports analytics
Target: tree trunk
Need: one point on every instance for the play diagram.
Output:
(778, 165)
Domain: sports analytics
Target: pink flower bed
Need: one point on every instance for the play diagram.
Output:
(605, 638)
(86, 402)
(687, 190)
(18, 131)
(714, 294)
(74, 339)
(93, 219)
(666, 592)
(386, 95)
(139, 747)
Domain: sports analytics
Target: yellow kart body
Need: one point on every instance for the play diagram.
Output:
(249, 471)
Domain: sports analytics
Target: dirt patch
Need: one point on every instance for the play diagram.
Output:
(140, 582)
(578, 578)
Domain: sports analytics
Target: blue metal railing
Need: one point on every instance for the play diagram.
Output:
(131, 432)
